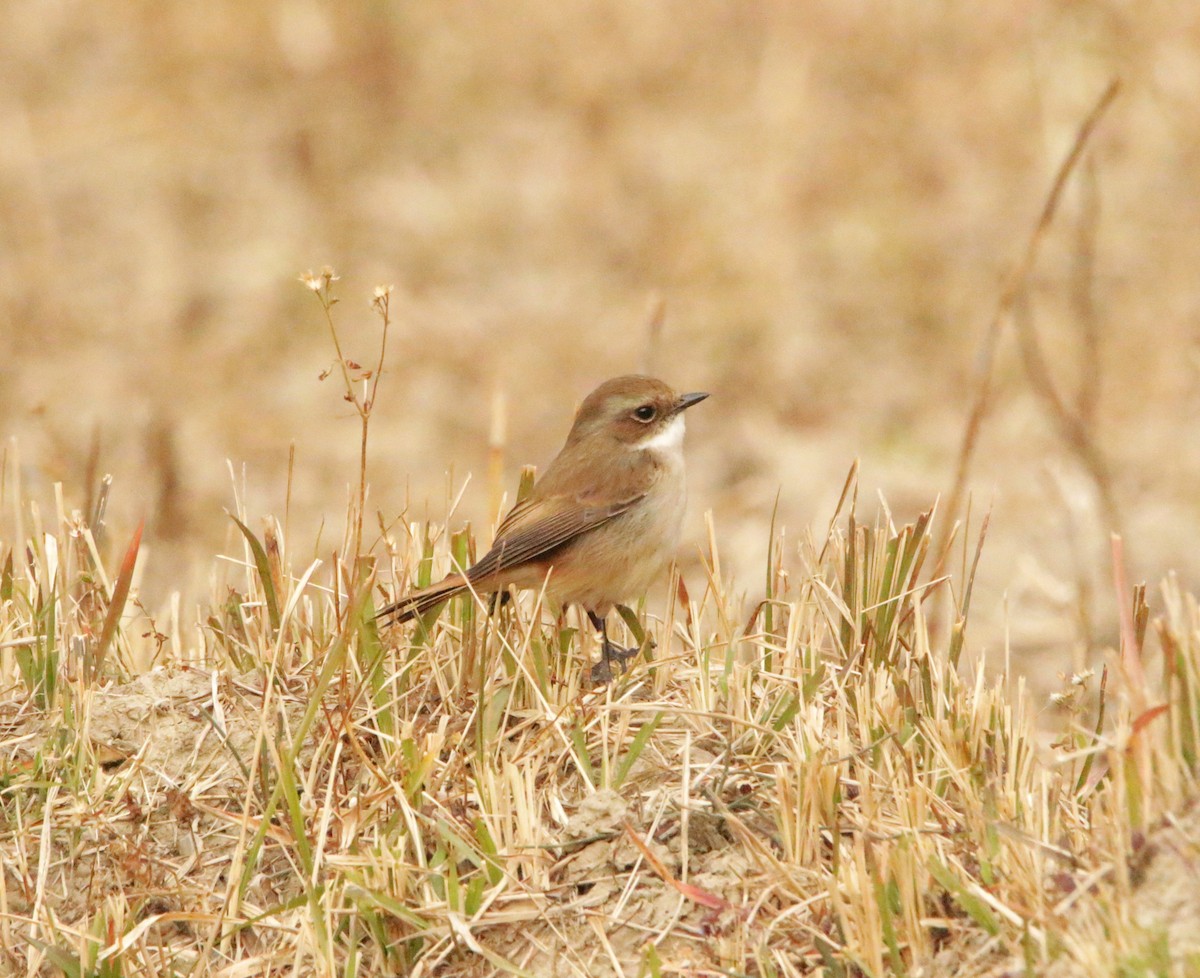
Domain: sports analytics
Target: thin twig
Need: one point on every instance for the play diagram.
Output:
(1072, 427)
(1083, 296)
(1012, 290)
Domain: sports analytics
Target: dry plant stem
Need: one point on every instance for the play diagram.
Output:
(1076, 427)
(1081, 571)
(381, 304)
(322, 287)
(1083, 296)
(1073, 427)
(1012, 290)
(1131, 652)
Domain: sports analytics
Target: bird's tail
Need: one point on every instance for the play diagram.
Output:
(419, 602)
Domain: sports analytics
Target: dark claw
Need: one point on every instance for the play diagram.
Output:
(602, 671)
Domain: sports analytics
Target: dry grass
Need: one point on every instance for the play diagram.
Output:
(834, 786)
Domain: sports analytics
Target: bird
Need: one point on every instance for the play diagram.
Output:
(602, 520)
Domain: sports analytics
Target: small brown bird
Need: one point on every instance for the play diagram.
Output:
(603, 519)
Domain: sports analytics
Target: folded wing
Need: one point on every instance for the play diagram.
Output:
(528, 538)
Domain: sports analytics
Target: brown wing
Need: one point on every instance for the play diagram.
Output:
(537, 527)
(534, 529)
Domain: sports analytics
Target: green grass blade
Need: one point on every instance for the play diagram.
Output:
(971, 905)
(640, 739)
(263, 567)
(579, 742)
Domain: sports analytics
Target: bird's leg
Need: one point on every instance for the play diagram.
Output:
(498, 600)
(609, 653)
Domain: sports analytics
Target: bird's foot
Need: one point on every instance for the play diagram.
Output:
(602, 673)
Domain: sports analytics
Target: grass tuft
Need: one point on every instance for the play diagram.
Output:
(826, 783)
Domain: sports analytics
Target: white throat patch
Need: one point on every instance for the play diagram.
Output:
(668, 440)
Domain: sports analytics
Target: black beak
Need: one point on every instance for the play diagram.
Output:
(687, 400)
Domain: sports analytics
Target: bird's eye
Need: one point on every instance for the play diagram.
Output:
(645, 413)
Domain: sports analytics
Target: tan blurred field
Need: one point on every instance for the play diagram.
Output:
(826, 197)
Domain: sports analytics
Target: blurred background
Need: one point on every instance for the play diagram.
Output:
(825, 198)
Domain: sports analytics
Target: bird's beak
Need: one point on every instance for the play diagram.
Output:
(687, 400)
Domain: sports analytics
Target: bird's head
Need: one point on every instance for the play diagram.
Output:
(634, 411)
